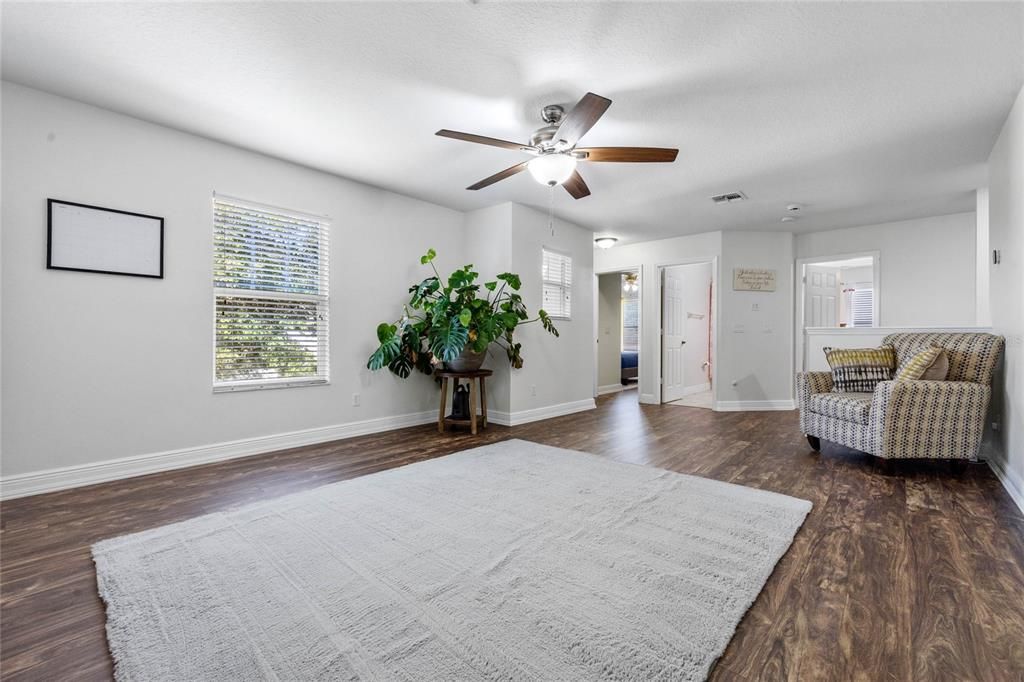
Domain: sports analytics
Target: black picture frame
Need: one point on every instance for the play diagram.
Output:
(49, 240)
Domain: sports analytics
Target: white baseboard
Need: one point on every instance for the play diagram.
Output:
(753, 405)
(539, 413)
(50, 480)
(1010, 480)
(699, 388)
(609, 388)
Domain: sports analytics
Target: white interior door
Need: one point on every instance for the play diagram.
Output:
(821, 296)
(673, 335)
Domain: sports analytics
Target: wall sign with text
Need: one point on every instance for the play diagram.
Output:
(753, 279)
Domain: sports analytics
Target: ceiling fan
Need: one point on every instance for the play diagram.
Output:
(554, 149)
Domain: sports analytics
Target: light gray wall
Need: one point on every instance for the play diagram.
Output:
(755, 346)
(609, 330)
(927, 267)
(1006, 233)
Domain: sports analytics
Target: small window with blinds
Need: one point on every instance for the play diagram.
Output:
(557, 283)
(862, 308)
(270, 274)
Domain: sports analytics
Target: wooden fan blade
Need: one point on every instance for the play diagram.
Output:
(575, 186)
(480, 139)
(629, 154)
(507, 173)
(581, 119)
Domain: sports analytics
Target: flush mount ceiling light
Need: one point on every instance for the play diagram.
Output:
(629, 282)
(552, 168)
(605, 242)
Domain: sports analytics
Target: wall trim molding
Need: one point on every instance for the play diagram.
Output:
(51, 480)
(1011, 482)
(874, 331)
(539, 413)
(609, 388)
(753, 405)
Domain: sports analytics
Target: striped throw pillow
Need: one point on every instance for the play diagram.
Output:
(930, 363)
(858, 370)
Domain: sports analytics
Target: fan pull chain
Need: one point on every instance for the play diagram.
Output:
(551, 210)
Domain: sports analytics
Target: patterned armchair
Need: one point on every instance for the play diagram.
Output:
(908, 419)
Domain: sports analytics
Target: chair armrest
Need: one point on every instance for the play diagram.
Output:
(809, 383)
(933, 419)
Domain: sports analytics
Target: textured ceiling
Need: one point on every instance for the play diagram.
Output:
(864, 113)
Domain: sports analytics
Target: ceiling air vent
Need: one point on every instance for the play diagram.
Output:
(729, 197)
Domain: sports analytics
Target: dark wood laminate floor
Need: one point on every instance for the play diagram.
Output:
(916, 574)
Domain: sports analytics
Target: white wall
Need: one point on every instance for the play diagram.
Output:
(912, 253)
(755, 342)
(982, 287)
(1006, 233)
(557, 374)
(609, 331)
(98, 367)
(647, 257)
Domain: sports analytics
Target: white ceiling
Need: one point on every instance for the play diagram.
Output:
(864, 113)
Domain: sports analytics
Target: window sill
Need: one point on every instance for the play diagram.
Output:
(239, 386)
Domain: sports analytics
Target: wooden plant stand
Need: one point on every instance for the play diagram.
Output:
(476, 388)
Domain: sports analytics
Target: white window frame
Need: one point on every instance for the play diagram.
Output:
(566, 288)
(322, 378)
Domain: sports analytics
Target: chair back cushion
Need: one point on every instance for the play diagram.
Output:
(972, 356)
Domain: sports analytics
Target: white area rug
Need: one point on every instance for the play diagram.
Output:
(513, 561)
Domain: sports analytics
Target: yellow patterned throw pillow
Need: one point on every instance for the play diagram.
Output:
(928, 364)
(858, 370)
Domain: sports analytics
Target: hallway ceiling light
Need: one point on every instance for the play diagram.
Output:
(605, 242)
(629, 282)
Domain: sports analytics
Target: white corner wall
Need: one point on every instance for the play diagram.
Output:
(1006, 234)
(101, 367)
(755, 331)
(109, 376)
(912, 252)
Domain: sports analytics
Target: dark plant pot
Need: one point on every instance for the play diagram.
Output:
(468, 361)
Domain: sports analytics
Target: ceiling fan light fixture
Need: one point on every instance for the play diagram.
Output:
(605, 242)
(552, 169)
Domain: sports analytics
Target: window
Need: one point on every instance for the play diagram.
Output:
(270, 273)
(630, 314)
(862, 307)
(557, 276)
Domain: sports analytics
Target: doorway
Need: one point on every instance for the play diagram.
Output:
(836, 292)
(687, 302)
(618, 331)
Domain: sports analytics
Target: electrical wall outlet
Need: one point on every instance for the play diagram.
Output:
(533, 390)
(355, 400)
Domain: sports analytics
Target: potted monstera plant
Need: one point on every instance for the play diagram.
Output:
(453, 321)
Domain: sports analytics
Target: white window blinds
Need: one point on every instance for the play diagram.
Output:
(862, 307)
(557, 278)
(270, 275)
(631, 321)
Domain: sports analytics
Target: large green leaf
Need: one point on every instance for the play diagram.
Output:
(512, 279)
(387, 352)
(401, 365)
(465, 315)
(385, 331)
(448, 339)
(545, 321)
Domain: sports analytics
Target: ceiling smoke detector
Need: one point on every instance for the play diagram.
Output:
(788, 219)
(729, 198)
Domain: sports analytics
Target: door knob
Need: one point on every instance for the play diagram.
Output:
(682, 343)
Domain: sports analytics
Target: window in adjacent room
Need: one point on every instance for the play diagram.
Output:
(557, 276)
(270, 275)
(862, 306)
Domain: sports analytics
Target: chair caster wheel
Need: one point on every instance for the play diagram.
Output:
(814, 443)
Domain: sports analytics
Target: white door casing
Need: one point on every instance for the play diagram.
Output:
(673, 335)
